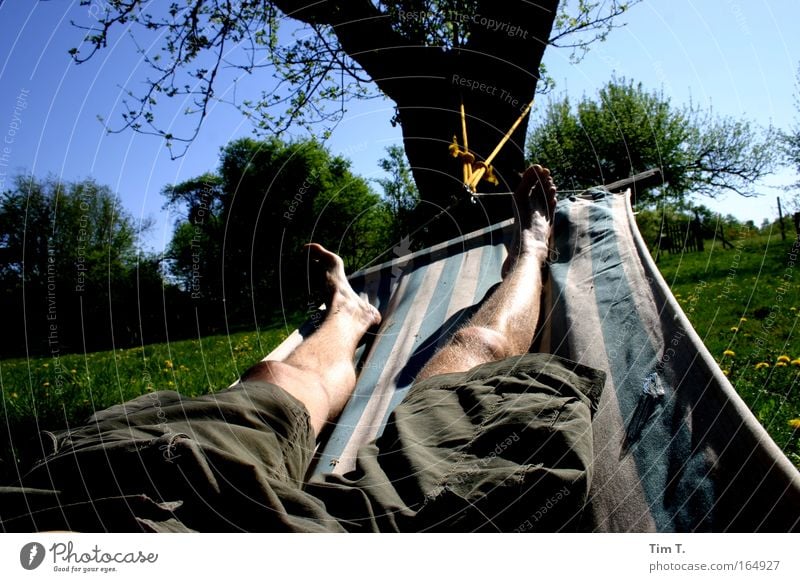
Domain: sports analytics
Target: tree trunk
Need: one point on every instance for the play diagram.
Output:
(495, 75)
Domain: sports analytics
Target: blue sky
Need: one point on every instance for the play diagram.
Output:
(741, 57)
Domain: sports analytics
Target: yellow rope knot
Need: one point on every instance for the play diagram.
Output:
(475, 171)
(462, 154)
(471, 166)
(488, 172)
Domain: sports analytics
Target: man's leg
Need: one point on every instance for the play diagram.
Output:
(319, 372)
(505, 324)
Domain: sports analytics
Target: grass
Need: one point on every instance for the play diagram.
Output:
(744, 303)
(55, 392)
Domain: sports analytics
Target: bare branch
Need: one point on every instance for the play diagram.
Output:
(592, 23)
(344, 50)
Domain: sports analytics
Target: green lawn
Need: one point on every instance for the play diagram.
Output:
(745, 304)
(52, 393)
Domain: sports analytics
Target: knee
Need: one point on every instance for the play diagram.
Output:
(488, 343)
(265, 371)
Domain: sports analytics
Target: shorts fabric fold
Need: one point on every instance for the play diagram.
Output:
(506, 446)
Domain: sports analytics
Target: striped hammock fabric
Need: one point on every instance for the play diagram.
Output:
(676, 449)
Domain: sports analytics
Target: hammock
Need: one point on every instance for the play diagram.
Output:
(676, 449)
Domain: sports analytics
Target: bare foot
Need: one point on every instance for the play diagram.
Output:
(534, 208)
(339, 295)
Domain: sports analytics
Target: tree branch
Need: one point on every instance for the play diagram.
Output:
(364, 33)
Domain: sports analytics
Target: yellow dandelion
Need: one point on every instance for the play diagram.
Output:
(45, 365)
(794, 423)
(795, 362)
(784, 358)
(46, 384)
(762, 365)
(14, 396)
(729, 353)
(168, 363)
(170, 383)
(781, 364)
(734, 329)
(726, 372)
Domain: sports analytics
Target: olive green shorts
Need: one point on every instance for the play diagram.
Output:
(506, 446)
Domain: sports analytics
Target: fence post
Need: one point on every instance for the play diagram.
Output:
(721, 227)
(780, 219)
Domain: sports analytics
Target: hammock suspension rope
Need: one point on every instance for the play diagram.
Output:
(474, 170)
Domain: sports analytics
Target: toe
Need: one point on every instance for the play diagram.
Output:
(320, 254)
